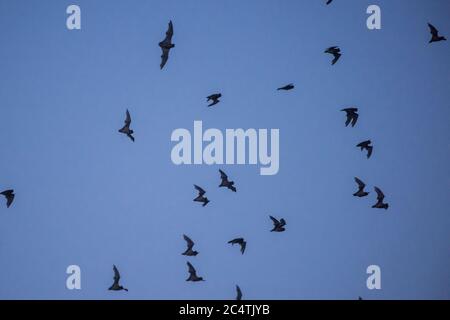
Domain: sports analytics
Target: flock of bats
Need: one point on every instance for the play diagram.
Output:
(278, 225)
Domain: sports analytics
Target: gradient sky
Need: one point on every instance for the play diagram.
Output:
(87, 195)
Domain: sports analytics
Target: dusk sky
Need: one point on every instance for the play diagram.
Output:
(87, 195)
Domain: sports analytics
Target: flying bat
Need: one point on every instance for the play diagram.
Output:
(214, 98)
(193, 274)
(239, 241)
(361, 185)
(166, 45)
(201, 197)
(380, 197)
(116, 286)
(9, 195)
(126, 128)
(352, 116)
(435, 37)
(278, 226)
(336, 52)
(190, 245)
(366, 145)
(287, 87)
(225, 182)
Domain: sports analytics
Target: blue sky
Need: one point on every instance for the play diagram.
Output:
(87, 195)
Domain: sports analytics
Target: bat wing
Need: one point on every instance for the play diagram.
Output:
(361, 184)
(275, 221)
(380, 195)
(362, 144)
(191, 268)
(369, 151)
(164, 57)
(336, 55)
(169, 32)
(128, 119)
(243, 246)
(116, 274)
(239, 293)
(223, 176)
(190, 243)
(433, 30)
(200, 190)
(355, 117)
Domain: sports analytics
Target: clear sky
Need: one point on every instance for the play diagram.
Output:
(87, 195)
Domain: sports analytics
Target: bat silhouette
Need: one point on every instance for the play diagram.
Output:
(435, 37)
(200, 197)
(116, 286)
(225, 182)
(9, 195)
(126, 128)
(366, 145)
(352, 116)
(238, 293)
(190, 245)
(166, 45)
(239, 241)
(287, 87)
(380, 197)
(336, 52)
(278, 226)
(361, 185)
(193, 274)
(214, 98)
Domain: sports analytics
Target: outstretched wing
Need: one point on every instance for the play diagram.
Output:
(369, 151)
(164, 57)
(191, 268)
(169, 32)
(349, 119)
(275, 221)
(223, 176)
(361, 184)
(239, 293)
(354, 119)
(380, 195)
(237, 240)
(9, 195)
(116, 274)
(7, 192)
(190, 243)
(200, 190)
(363, 144)
(433, 30)
(336, 55)
(128, 119)
(243, 246)
(9, 200)
(332, 49)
